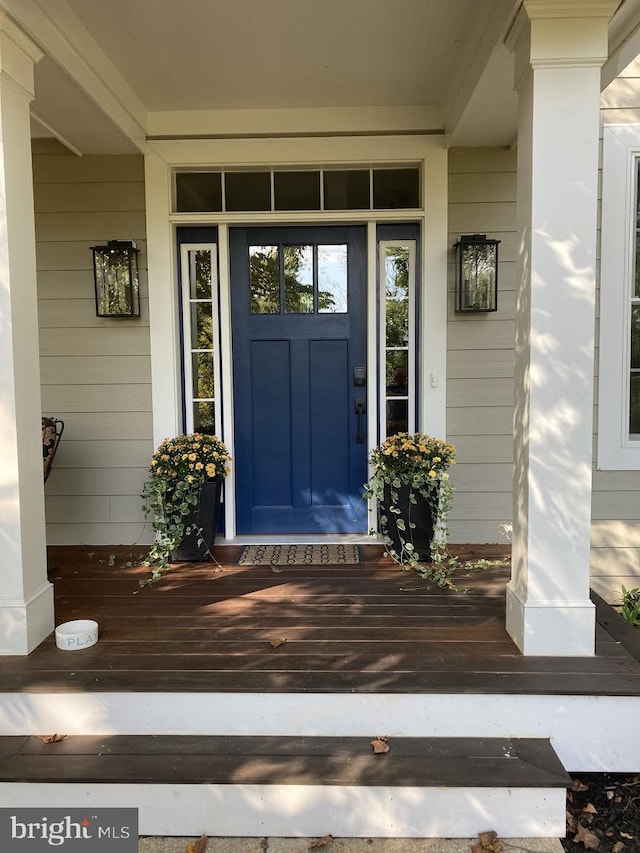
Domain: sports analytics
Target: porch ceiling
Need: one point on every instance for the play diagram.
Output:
(160, 64)
(249, 54)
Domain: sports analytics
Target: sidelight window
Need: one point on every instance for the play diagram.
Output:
(200, 339)
(397, 336)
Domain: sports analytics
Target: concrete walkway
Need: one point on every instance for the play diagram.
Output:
(347, 845)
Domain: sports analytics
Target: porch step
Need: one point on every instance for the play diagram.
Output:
(297, 786)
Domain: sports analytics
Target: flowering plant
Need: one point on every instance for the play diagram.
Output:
(405, 468)
(177, 471)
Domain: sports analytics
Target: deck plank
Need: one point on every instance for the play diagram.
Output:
(362, 628)
(477, 762)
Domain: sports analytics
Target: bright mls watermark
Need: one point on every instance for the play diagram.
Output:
(69, 830)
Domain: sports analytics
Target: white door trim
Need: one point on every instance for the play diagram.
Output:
(164, 157)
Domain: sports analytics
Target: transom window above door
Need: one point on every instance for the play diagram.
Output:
(377, 188)
(298, 279)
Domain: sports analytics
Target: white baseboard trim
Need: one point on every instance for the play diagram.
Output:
(551, 628)
(24, 624)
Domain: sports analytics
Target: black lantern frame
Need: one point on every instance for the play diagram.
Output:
(115, 269)
(476, 274)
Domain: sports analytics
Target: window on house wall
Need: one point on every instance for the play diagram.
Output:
(200, 338)
(619, 339)
(376, 188)
(397, 273)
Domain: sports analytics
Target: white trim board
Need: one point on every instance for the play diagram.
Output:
(307, 810)
(164, 157)
(621, 151)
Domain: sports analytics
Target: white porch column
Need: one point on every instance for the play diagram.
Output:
(559, 48)
(26, 598)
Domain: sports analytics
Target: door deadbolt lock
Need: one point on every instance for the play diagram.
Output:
(359, 377)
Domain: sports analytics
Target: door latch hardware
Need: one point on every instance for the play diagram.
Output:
(361, 409)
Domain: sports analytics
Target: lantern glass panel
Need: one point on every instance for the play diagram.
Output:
(478, 273)
(116, 273)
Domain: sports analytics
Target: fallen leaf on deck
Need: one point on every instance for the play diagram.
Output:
(52, 738)
(380, 745)
(626, 835)
(321, 842)
(618, 847)
(276, 569)
(279, 642)
(490, 842)
(590, 809)
(590, 841)
(198, 846)
(572, 825)
(578, 786)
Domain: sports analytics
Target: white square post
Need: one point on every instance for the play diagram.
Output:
(559, 48)
(26, 597)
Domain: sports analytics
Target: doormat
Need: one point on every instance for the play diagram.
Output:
(299, 555)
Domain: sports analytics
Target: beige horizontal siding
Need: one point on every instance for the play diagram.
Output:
(94, 341)
(479, 532)
(81, 313)
(106, 426)
(73, 255)
(95, 372)
(480, 359)
(72, 284)
(480, 420)
(114, 453)
(92, 398)
(96, 481)
(90, 509)
(479, 392)
(90, 197)
(63, 168)
(105, 533)
(92, 227)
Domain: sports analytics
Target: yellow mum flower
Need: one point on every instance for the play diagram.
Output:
(192, 457)
(432, 474)
(199, 466)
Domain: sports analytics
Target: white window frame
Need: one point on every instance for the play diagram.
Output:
(383, 245)
(621, 153)
(187, 390)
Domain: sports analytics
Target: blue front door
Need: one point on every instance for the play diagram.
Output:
(298, 299)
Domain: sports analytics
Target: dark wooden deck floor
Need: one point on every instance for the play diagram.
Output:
(368, 628)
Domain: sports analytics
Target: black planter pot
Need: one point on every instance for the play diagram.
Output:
(205, 516)
(418, 513)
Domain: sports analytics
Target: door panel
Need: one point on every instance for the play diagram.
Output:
(296, 339)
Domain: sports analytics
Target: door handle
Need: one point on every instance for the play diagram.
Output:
(361, 409)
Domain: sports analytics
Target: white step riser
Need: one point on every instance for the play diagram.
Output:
(588, 733)
(301, 810)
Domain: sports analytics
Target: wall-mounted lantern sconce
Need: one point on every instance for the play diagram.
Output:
(476, 273)
(115, 268)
